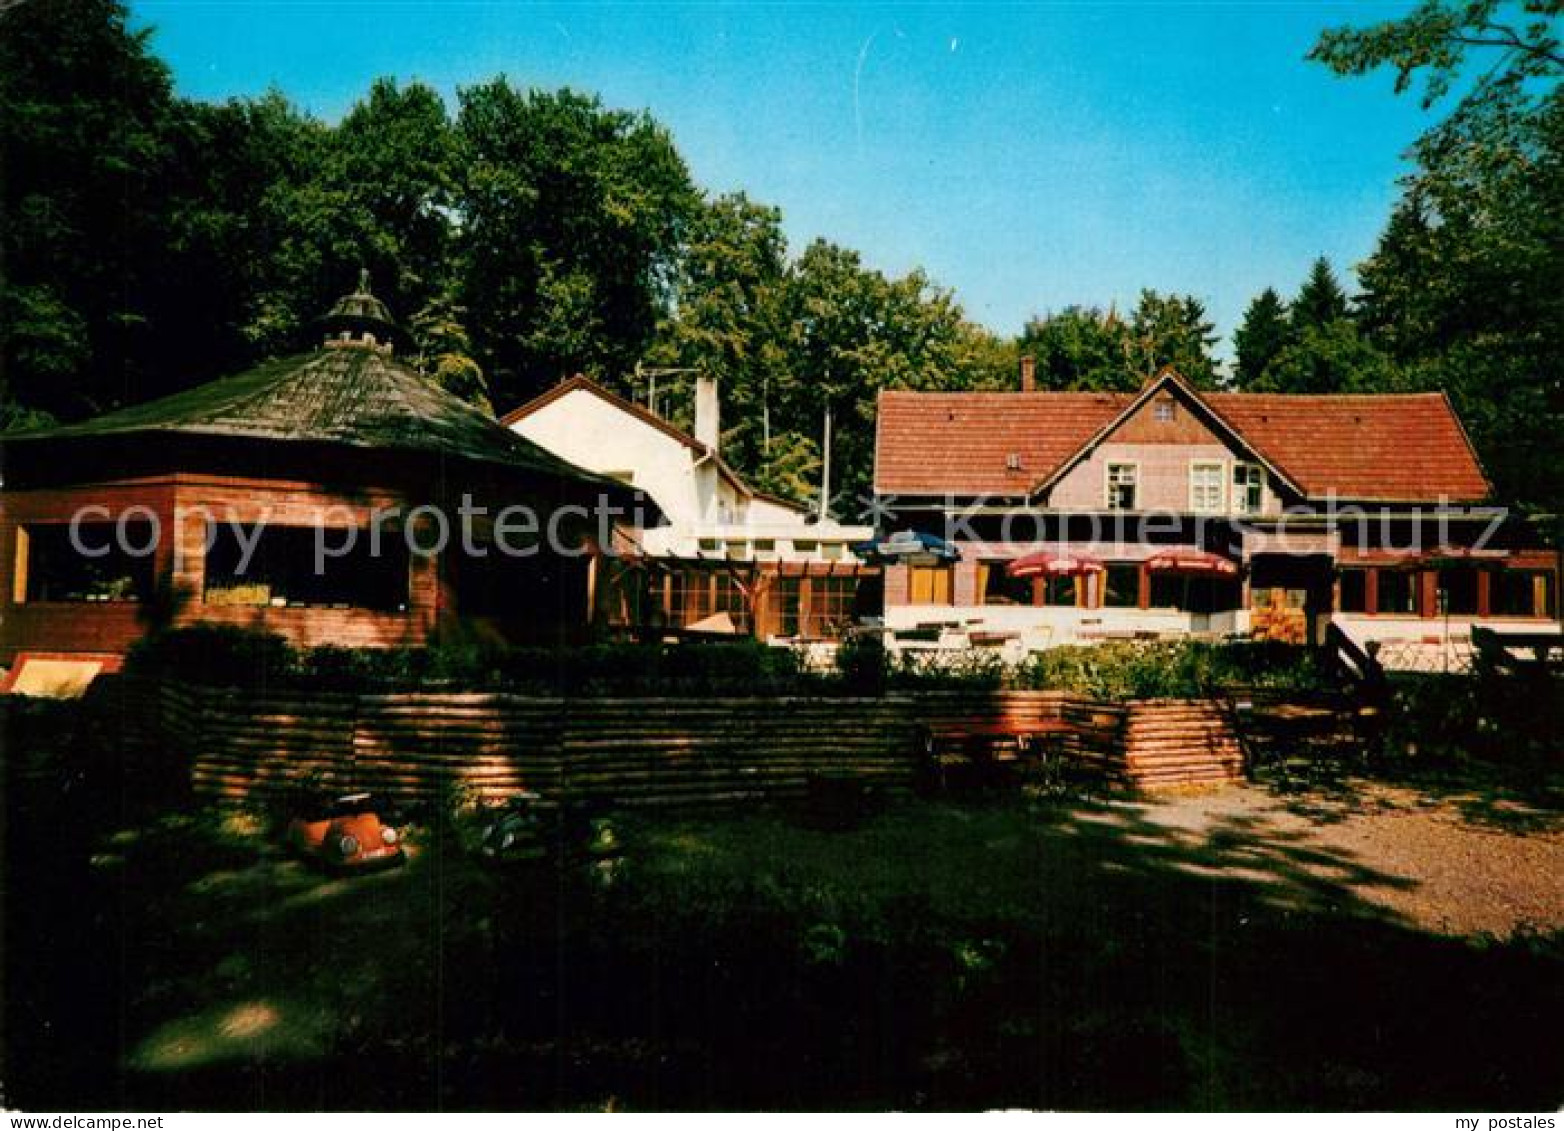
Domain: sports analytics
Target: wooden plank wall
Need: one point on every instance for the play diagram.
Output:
(643, 753)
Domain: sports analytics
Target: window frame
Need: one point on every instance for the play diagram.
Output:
(933, 601)
(1254, 481)
(1108, 483)
(1220, 466)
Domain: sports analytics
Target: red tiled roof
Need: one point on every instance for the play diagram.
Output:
(1394, 447)
(1401, 447)
(934, 443)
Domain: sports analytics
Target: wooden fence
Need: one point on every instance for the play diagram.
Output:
(661, 752)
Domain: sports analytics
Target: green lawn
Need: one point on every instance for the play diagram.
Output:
(938, 955)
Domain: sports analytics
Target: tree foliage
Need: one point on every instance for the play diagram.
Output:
(149, 242)
(1264, 333)
(1462, 292)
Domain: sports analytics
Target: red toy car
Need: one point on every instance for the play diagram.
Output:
(347, 834)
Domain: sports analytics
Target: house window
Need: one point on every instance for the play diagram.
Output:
(929, 585)
(1164, 410)
(765, 545)
(999, 588)
(1058, 591)
(282, 566)
(1354, 591)
(1458, 591)
(1167, 591)
(1397, 591)
(105, 562)
(1248, 487)
(1206, 487)
(804, 545)
(831, 551)
(1121, 586)
(1122, 481)
(1522, 593)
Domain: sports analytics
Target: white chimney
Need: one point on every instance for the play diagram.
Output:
(708, 425)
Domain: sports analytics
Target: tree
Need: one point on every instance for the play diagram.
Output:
(573, 218)
(1078, 348)
(1171, 330)
(1434, 42)
(1320, 301)
(853, 332)
(1265, 332)
(727, 321)
(1333, 358)
(1462, 291)
(85, 119)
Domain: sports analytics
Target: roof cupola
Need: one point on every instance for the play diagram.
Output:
(360, 319)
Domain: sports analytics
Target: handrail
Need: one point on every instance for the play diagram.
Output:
(1358, 664)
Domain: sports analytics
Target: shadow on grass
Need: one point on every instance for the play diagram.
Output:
(937, 956)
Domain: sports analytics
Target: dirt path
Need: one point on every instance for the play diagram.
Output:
(1455, 863)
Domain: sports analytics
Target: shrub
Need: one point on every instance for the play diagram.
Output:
(217, 654)
(1171, 669)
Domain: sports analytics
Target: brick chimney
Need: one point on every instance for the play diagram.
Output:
(1028, 374)
(708, 423)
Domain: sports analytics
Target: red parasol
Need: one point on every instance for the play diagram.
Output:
(1052, 563)
(1182, 562)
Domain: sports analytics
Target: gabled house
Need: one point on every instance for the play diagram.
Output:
(1176, 511)
(730, 558)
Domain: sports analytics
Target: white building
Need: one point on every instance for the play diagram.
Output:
(729, 553)
(712, 512)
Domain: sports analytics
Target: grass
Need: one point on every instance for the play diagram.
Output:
(935, 956)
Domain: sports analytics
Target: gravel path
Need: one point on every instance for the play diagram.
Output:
(1459, 863)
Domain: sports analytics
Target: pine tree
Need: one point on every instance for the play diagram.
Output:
(1321, 300)
(1265, 333)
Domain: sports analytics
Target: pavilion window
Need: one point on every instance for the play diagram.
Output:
(358, 570)
(999, 588)
(105, 563)
(728, 596)
(814, 608)
(695, 594)
(930, 585)
(829, 608)
(1354, 591)
(689, 596)
(1121, 586)
(1397, 592)
(1522, 593)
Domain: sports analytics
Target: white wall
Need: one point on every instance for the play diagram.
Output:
(707, 513)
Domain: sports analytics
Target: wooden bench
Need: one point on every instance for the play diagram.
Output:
(984, 747)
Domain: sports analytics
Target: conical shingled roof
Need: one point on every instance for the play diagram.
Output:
(348, 392)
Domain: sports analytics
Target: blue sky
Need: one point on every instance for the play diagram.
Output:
(1028, 155)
